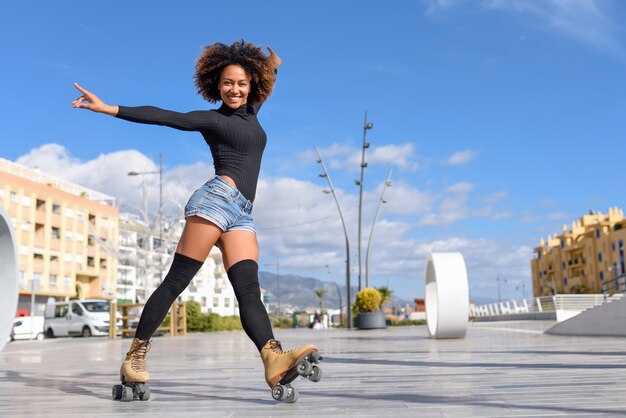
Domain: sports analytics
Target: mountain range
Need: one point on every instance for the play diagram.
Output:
(297, 292)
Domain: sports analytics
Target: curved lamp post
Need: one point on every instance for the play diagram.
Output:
(369, 241)
(345, 231)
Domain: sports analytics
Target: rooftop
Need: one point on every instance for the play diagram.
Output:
(503, 369)
(37, 176)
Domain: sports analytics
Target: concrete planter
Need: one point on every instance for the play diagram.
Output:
(371, 320)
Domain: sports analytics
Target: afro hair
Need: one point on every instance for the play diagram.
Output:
(215, 57)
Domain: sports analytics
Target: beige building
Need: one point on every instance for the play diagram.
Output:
(588, 258)
(67, 235)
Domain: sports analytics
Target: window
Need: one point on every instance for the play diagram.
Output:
(91, 262)
(227, 303)
(13, 197)
(25, 226)
(216, 302)
(60, 310)
(565, 281)
(601, 276)
(56, 232)
(56, 208)
(66, 282)
(80, 214)
(52, 280)
(203, 299)
(563, 265)
(600, 257)
(26, 201)
(76, 309)
(69, 235)
(69, 212)
(597, 233)
(613, 246)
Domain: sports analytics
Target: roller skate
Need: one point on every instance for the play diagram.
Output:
(133, 374)
(283, 367)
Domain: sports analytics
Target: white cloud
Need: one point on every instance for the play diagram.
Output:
(461, 158)
(300, 224)
(586, 21)
(348, 159)
(108, 173)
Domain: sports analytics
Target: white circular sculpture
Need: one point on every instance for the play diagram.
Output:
(8, 277)
(447, 295)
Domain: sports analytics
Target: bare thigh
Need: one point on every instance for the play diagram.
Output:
(237, 246)
(199, 236)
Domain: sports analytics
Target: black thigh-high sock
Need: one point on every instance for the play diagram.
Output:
(244, 276)
(177, 279)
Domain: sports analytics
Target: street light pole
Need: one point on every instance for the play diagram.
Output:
(359, 183)
(338, 293)
(369, 241)
(345, 231)
(160, 213)
(277, 264)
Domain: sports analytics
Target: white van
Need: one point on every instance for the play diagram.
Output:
(27, 328)
(77, 317)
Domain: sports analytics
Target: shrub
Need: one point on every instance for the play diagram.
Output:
(368, 300)
(208, 322)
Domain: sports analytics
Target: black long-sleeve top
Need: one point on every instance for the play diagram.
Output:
(235, 137)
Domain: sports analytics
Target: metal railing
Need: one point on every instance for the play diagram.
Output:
(565, 306)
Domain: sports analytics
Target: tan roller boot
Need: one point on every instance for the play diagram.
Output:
(133, 374)
(134, 366)
(278, 362)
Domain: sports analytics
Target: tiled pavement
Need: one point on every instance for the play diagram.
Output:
(501, 369)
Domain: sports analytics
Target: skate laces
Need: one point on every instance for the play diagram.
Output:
(275, 346)
(138, 355)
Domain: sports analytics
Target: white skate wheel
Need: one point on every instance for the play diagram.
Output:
(447, 295)
(9, 278)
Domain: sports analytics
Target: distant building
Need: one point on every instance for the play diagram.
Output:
(143, 258)
(62, 230)
(588, 258)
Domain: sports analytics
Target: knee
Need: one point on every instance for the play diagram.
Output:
(244, 277)
(181, 273)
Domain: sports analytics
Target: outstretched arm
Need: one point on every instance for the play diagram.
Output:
(192, 121)
(90, 101)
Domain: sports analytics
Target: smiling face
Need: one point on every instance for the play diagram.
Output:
(234, 86)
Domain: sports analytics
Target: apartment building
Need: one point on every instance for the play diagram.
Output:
(588, 258)
(143, 258)
(66, 236)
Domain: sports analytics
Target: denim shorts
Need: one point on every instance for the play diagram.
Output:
(221, 203)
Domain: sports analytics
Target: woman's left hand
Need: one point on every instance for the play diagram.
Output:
(273, 58)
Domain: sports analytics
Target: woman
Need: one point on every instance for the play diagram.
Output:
(242, 77)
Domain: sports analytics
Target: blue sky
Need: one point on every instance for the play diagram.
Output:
(502, 120)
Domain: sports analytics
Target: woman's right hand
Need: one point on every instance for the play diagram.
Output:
(92, 102)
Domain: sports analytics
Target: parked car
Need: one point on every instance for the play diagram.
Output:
(77, 318)
(28, 328)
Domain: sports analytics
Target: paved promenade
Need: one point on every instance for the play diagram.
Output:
(503, 369)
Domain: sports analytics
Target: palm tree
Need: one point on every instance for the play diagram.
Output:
(320, 294)
(385, 292)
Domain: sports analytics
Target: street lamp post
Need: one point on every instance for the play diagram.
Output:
(277, 264)
(338, 293)
(366, 125)
(345, 231)
(160, 215)
(369, 241)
